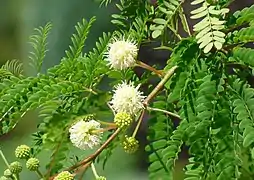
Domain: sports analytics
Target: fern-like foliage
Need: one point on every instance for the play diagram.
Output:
(244, 16)
(244, 55)
(209, 28)
(160, 128)
(14, 67)
(39, 43)
(170, 9)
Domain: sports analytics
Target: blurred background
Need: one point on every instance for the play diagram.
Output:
(17, 21)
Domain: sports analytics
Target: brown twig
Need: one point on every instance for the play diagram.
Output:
(159, 86)
(150, 68)
(94, 155)
(152, 95)
(84, 168)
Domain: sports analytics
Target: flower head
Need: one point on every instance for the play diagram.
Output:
(85, 135)
(22, 152)
(65, 175)
(7, 173)
(122, 54)
(127, 98)
(123, 119)
(15, 167)
(33, 164)
(130, 145)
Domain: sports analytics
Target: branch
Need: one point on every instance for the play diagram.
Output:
(94, 155)
(150, 68)
(159, 86)
(152, 95)
(164, 111)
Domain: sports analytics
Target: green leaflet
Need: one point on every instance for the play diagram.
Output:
(39, 43)
(209, 34)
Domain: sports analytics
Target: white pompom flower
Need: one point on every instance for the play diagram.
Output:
(85, 135)
(121, 54)
(127, 98)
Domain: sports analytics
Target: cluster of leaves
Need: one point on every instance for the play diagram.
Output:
(208, 91)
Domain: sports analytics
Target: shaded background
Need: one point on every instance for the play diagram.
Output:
(18, 18)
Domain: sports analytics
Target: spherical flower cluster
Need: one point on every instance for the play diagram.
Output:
(7, 173)
(123, 119)
(85, 135)
(23, 152)
(122, 54)
(65, 175)
(15, 167)
(130, 145)
(32, 164)
(127, 98)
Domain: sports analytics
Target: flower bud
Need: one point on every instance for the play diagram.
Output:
(32, 164)
(22, 152)
(122, 119)
(65, 175)
(7, 173)
(130, 145)
(15, 167)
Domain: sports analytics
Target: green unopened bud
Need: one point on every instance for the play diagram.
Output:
(32, 164)
(15, 167)
(101, 178)
(130, 145)
(7, 173)
(65, 175)
(123, 119)
(4, 178)
(23, 152)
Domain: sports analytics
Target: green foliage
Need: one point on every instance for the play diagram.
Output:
(14, 67)
(244, 55)
(244, 16)
(160, 127)
(169, 9)
(209, 28)
(39, 43)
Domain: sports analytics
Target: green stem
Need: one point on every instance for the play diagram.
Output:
(184, 21)
(38, 172)
(164, 48)
(164, 111)
(94, 170)
(139, 123)
(174, 31)
(15, 177)
(3, 157)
